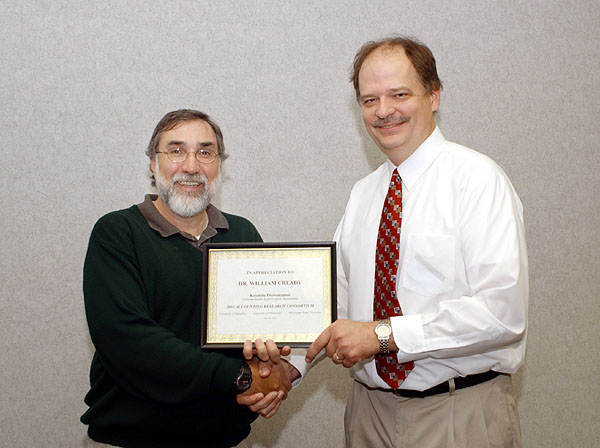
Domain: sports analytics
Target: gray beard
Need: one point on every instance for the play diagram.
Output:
(185, 204)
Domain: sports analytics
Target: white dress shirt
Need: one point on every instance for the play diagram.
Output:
(462, 278)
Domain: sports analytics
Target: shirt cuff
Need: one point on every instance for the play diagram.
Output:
(408, 336)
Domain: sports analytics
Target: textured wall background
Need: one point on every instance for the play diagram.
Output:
(83, 84)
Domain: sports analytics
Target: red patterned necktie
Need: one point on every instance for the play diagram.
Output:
(385, 303)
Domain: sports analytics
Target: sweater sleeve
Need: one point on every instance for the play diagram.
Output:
(141, 355)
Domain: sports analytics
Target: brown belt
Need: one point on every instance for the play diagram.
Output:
(443, 388)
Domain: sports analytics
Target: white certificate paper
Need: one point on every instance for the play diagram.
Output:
(272, 291)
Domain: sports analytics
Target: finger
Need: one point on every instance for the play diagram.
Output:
(331, 349)
(263, 404)
(261, 350)
(286, 350)
(248, 352)
(347, 363)
(282, 395)
(318, 345)
(274, 411)
(273, 351)
(264, 368)
(337, 358)
(249, 400)
(270, 410)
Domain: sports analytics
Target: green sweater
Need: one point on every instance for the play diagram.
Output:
(151, 385)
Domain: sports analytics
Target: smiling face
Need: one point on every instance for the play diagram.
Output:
(186, 188)
(397, 110)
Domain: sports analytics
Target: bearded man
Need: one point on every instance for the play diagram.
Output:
(151, 384)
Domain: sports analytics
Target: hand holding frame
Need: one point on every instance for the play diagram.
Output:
(347, 342)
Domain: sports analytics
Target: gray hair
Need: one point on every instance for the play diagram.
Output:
(171, 120)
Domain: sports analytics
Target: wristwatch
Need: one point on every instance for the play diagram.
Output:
(383, 330)
(243, 379)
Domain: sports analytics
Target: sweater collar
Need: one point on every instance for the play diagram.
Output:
(157, 222)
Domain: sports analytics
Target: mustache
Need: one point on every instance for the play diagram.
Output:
(181, 177)
(398, 119)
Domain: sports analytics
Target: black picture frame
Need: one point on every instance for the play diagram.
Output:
(214, 255)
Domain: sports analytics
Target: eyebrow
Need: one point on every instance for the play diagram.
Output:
(388, 92)
(199, 144)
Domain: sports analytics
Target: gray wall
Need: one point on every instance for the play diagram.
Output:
(83, 84)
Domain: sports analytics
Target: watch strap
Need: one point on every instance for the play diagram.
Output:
(384, 341)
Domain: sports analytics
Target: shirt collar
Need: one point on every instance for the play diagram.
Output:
(156, 221)
(412, 168)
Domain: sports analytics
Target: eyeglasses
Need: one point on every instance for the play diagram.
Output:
(178, 155)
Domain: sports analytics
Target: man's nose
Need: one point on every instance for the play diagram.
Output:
(384, 108)
(191, 163)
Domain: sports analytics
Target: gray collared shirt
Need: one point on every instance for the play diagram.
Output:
(156, 221)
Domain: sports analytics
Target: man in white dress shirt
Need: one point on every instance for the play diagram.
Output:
(461, 283)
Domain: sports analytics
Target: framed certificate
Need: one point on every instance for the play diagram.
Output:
(280, 291)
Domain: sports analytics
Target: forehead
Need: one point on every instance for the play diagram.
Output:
(387, 68)
(189, 133)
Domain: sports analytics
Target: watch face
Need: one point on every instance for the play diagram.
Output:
(383, 330)
(243, 382)
(244, 379)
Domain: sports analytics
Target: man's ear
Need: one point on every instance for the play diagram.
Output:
(435, 96)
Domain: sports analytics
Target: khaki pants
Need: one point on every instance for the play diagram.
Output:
(480, 416)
